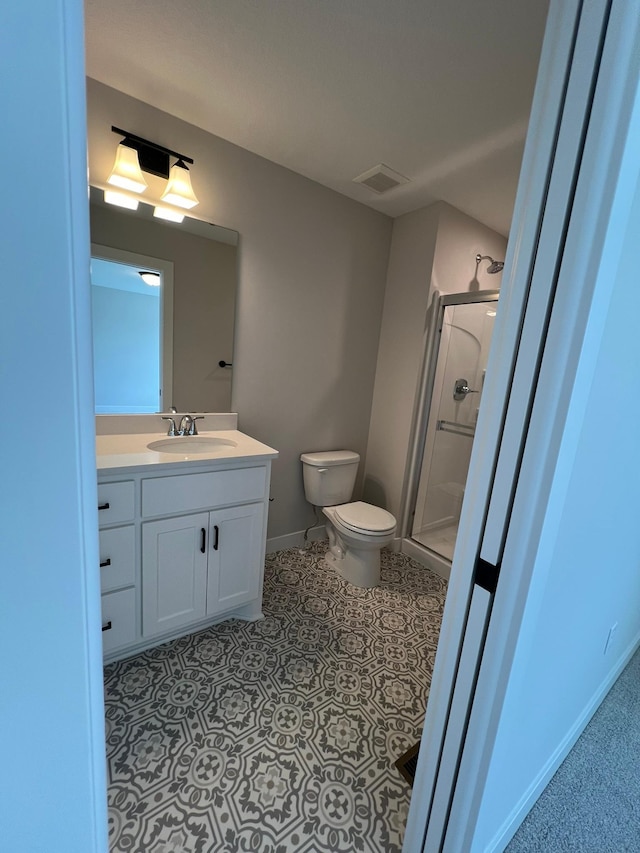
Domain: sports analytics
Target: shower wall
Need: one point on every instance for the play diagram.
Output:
(431, 248)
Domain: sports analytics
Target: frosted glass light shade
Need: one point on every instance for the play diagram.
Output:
(120, 199)
(150, 278)
(126, 172)
(179, 190)
(161, 212)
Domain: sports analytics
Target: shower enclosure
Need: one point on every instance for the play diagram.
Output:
(460, 335)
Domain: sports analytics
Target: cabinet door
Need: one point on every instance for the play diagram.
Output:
(174, 572)
(235, 556)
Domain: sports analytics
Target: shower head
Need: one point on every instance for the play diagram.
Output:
(494, 266)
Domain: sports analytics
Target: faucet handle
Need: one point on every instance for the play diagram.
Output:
(173, 410)
(172, 424)
(193, 430)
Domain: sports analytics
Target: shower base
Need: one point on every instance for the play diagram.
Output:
(442, 540)
(426, 557)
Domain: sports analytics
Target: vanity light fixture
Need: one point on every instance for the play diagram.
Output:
(126, 172)
(150, 278)
(179, 190)
(136, 155)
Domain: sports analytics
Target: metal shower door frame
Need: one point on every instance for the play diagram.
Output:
(439, 303)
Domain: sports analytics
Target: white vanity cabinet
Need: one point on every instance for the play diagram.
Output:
(117, 564)
(199, 565)
(181, 546)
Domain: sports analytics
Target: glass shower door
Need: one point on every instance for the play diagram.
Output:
(461, 363)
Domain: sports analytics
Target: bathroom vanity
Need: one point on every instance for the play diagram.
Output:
(182, 529)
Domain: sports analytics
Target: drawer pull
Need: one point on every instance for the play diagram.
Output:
(105, 563)
(203, 540)
(107, 626)
(104, 506)
(217, 539)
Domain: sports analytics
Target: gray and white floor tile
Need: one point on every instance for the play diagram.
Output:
(278, 735)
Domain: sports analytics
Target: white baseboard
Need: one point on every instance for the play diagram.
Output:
(294, 540)
(395, 545)
(528, 799)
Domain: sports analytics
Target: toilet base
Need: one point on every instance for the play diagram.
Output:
(359, 568)
(354, 556)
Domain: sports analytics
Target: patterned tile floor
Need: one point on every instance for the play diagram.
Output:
(278, 735)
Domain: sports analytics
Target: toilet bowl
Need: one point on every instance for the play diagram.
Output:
(357, 532)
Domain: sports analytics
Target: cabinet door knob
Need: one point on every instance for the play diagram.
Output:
(103, 506)
(106, 626)
(203, 540)
(217, 539)
(105, 563)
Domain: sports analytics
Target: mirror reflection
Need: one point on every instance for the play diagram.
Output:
(195, 326)
(127, 298)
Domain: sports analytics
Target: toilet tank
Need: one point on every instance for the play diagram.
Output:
(329, 476)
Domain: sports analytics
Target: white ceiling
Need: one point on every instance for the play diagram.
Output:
(439, 90)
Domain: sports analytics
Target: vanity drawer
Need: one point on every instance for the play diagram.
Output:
(173, 495)
(118, 619)
(117, 557)
(115, 502)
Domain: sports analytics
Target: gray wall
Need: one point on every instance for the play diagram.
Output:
(312, 275)
(432, 248)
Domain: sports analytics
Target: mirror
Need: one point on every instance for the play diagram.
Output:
(132, 323)
(197, 324)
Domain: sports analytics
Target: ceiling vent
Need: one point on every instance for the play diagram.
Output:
(381, 179)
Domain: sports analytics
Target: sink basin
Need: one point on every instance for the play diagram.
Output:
(185, 444)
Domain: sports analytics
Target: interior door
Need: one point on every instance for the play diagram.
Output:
(585, 282)
(523, 366)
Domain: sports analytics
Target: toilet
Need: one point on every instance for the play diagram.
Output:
(357, 531)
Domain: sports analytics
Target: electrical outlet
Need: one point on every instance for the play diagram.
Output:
(610, 637)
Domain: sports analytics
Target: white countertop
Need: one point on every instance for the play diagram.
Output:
(129, 450)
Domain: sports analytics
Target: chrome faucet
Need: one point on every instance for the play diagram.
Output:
(188, 424)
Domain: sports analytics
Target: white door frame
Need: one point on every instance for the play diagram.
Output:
(53, 757)
(581, 244)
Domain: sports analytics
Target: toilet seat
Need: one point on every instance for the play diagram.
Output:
(361, 517)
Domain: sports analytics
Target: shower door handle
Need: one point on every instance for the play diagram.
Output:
(461, 389)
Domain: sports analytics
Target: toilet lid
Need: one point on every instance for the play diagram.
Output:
(362, 516)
